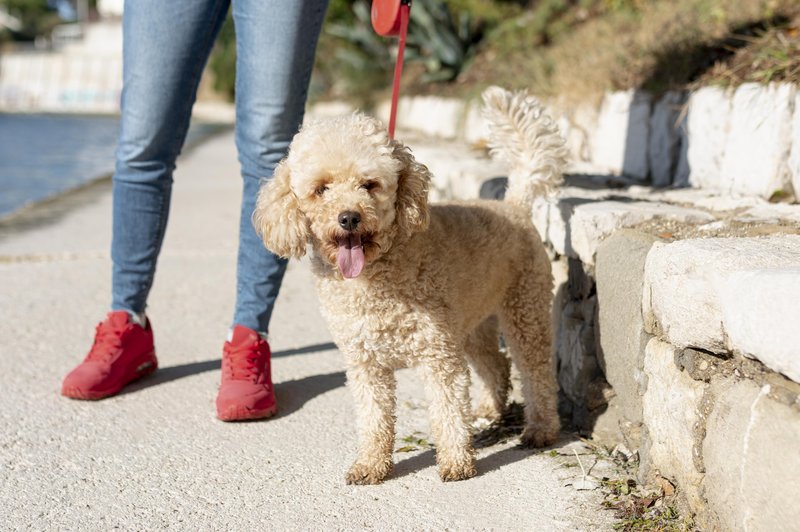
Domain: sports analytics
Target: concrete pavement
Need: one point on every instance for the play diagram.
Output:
(156, 457)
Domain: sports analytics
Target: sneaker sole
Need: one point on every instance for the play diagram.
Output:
(84, 395)
(242, 413)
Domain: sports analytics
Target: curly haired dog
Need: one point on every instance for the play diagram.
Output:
(404, 283)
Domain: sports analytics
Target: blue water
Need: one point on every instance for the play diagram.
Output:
(44, 155)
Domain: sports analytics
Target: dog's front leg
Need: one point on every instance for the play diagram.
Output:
(447, 382)
(373, 389)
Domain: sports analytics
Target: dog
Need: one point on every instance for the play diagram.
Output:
(406, 284)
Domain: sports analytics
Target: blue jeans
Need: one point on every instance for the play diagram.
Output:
(165, 47)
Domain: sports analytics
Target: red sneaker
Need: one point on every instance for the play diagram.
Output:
(122, 352)
(246, 389)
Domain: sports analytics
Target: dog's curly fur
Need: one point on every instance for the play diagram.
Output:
(439, 282)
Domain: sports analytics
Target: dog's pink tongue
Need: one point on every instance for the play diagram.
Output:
(350, 257)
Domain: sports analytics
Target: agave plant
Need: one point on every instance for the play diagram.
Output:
(438, 38)
(442, 40)
(363, 50)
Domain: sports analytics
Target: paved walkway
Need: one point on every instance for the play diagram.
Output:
(156, 457)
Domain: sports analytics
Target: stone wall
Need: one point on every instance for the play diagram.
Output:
(675, 308)
(742, 141)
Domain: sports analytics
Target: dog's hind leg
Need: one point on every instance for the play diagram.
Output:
(373, 389)
(492, 367)
(447, 383)
(526, 322)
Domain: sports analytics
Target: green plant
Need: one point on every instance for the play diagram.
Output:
(223, 59)
(359, 51)
(36, 16)
(443, 40)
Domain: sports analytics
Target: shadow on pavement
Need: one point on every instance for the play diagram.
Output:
(293, 394)
(484, 465)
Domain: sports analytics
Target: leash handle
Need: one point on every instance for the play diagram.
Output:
(405, 7)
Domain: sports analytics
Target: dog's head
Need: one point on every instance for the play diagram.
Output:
(346, 188)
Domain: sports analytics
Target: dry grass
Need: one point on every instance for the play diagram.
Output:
(657, 45)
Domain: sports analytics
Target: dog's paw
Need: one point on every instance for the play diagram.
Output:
(362, 473)
(488, 411)
(539, 436)
(452, 470)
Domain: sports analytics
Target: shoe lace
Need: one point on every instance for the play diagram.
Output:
(107, 341)
(244, 362)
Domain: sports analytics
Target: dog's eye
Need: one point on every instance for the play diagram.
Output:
(320, 190)
(369, 185)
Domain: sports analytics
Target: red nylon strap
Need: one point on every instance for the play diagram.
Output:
(398, 67)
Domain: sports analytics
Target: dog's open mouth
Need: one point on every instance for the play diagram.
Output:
(350, 257)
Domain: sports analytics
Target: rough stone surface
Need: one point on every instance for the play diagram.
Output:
(794, 151)
(594, 221)
(576, 349)
(682, 168)
(708, 118)
(691, 295)
(458, 172)
(619, 273)
(761, 313)
(759, 139)
(664, 144)
(620, 143)
(771, 212)
(670, 409)
(751, 459)
(476, 129)
(578, 124)
(432, 115)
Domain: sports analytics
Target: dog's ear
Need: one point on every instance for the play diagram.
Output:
(278, 218)
(412, 191)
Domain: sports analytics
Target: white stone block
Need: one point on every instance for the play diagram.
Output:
(432, 115)
(794, 151)
(758, 142)
(707, 123)
(682, 170)
(577, 124)
(694, 297)
(476, 129)
(592, 222)
(670, 409)
(620, 142)
(761, 313)
(665, 138)
(750, 456)
(457, 173)
(764, 212)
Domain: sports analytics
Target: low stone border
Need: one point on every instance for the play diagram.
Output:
(674, 313)
(743, 141)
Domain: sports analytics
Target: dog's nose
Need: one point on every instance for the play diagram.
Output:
(349, 220)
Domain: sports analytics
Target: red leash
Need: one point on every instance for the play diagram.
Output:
(389, 18)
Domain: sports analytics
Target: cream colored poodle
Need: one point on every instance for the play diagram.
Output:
(404, 283)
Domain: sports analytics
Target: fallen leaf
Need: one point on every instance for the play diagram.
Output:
(406, 449)
(666, 486)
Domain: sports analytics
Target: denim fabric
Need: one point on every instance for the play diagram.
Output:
(165, 47)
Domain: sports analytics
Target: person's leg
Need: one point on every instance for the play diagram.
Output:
(165, 48)
(276, 42)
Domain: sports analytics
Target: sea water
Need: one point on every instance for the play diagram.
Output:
(44, 155)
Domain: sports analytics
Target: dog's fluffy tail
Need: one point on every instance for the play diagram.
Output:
(525, 137)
